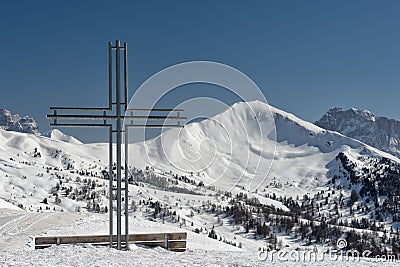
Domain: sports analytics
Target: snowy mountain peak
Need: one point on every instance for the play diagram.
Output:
(15, 123)
(361, 113)
(379, 132)
(56, 134)
(247, 146)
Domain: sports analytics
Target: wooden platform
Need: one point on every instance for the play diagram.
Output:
(170, 241)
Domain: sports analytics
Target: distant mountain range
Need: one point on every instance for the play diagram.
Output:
(379, 132)
(15, 123)
(27, 124)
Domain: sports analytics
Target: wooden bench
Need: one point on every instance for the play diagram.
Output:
(170, 241)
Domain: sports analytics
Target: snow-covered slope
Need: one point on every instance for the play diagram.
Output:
(31, 166)
(56, 134)
(241, 148)
(379, 132)
(7, 205)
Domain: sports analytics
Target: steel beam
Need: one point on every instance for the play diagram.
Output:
(155, 126)
(125, 76)
(98, 125)
(80, 108)
(119, 137)
(155, 109)
(126, 148)
(110, 75)
(77, 125)
(110, 177)
(126, 189)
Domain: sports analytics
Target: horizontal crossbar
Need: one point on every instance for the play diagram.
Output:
(120, 47)
(80, 108)
(112, 117)
(155, 109)
(99, 125)
(129, 109)
(155, 126)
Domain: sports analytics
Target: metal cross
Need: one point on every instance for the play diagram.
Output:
(104, 119)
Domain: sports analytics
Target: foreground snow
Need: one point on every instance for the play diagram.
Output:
(138, 256)
(19, 228)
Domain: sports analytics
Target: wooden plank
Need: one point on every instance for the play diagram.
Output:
(42, 240)
(42, 246)
(178, 249)
(177, 246)
(45, 240)
(177, 236)
(176, 241)
(171, 244)
(181, 244)
(155, 237)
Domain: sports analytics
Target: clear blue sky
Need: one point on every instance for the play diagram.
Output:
(306, 56)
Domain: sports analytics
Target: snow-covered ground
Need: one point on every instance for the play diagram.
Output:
(18, 232)
(137, 256)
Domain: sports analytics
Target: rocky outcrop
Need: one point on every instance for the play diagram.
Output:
(15, 123)
(379, 132)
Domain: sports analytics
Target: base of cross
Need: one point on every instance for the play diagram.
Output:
(171, 241)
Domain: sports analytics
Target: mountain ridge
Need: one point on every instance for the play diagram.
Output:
(15, 123)
(298, 149)
(376, 131)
